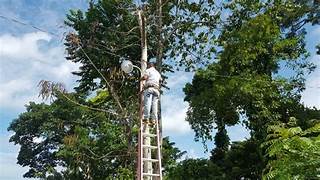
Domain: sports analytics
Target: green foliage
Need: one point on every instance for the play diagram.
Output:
(192, 33)
(85, 143)
(257, 39)
(195, 169)
(255, 42)
(107, 33)
(293, 152)
(101, 97)
(170, 154)
(236, 163)
(243, 161)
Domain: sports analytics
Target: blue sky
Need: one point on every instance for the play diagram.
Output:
(28, 56)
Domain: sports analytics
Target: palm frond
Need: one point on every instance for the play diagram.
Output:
(49, 89)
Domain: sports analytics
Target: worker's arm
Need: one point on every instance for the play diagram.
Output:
(144, 77)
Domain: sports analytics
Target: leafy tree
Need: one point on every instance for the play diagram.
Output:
(242, 79)
(195, 169)
(86, 144)
(170, 154)
(257, 40)
(104, 34)
(192, 33)
(243, 161)
(294, 152)
(86, 135)
(94, 138)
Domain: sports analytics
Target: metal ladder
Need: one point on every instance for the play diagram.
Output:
(150, 152)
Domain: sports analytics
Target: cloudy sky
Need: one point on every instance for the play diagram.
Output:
(28, 55)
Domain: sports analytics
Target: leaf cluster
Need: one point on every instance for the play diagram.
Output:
(293, 152)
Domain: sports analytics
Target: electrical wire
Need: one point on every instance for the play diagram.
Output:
(250, 79)
(56, 35)
(27, 24)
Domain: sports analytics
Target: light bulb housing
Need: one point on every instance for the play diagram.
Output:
(127, 66)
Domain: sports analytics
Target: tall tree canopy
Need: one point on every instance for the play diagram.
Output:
(85, 143)
(92, 133)
(258, 42)
(241, 47)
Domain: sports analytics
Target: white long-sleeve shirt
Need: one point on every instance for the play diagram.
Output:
(153, 75)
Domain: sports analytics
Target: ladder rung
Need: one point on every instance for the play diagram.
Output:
(151, 147)
(148, 174)
(149, 135)
(152, 160)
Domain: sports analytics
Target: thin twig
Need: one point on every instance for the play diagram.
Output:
(124, 32)
(118, 49)
(108, 154)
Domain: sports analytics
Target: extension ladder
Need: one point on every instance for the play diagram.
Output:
(150, 152)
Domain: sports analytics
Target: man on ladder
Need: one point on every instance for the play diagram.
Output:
(151, 94)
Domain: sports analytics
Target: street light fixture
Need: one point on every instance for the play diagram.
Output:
(127, 66)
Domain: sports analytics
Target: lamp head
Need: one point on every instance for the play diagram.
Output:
(127, 66)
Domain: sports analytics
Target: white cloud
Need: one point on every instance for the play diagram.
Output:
(25, 60)
(191, 154)
(173, 106)
(24, 47)
(238, 133)
(9, 170)
(179, 79)
(16, 92)
(174, 118)
(311, 96)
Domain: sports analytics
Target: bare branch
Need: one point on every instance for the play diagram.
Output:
(124, 32)
(109, 154)
(118, 49)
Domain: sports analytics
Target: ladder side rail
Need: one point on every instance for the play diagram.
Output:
(159, 149)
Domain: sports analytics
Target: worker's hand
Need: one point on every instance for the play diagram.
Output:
(139, 93)
(145, 77)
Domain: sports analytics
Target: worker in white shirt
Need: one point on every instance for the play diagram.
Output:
(151, 94)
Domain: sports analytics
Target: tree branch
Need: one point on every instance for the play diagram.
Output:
(124, 32)
(48, 88)
(110, 87)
